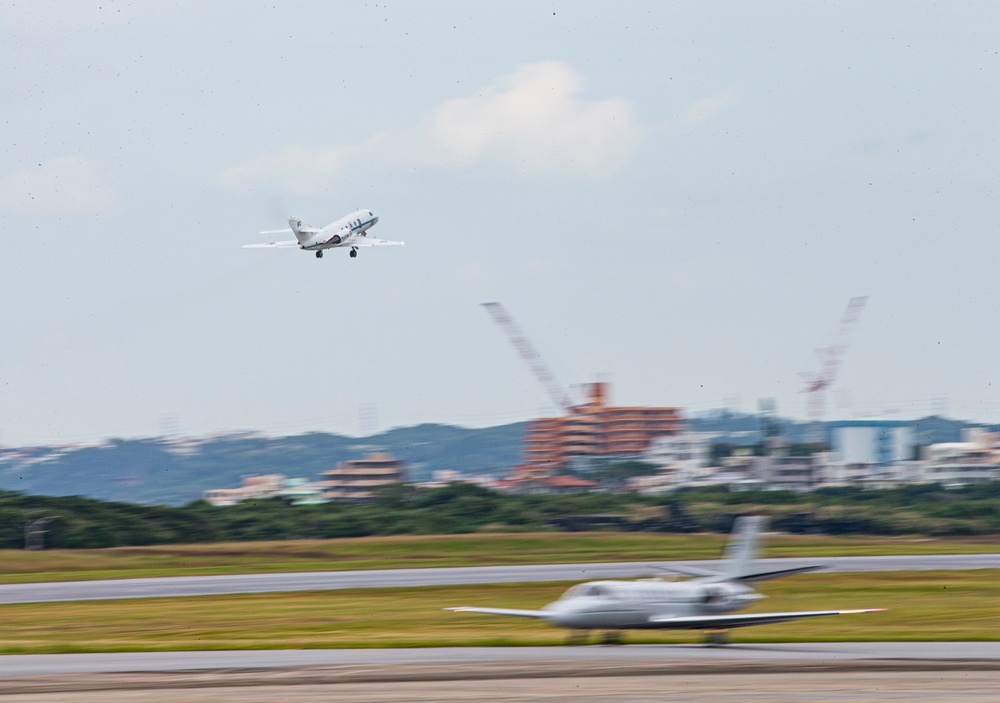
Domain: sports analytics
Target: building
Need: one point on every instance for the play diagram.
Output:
(360, 478)
(253, 487)
(868, 452)
(686, 456)
(789, 473)
(595, 432)
(976, 459)
(545, 485)
(871, 441)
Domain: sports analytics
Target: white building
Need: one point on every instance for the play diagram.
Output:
(976, 459)
(684, 457)
(868, 452)
(253, 487)
(871, 441)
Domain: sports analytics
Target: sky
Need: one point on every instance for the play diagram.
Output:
(679, 198)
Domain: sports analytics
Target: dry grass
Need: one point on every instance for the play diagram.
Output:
(432, 551)
(950, 605)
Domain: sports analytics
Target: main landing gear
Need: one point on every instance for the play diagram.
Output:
(716, 638)
(319, 254)
(354, 253)
(578, 637)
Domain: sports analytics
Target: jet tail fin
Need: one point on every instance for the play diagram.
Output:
(742, 548)
(302, 231)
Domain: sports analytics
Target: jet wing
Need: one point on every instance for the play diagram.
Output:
(725, 622)
(502, 611)
(370, 242)
(273, 245)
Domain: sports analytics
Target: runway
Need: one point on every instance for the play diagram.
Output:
(51, 664)
(179, 586)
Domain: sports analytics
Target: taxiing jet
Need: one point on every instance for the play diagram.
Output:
(351, 230)
(702, 603)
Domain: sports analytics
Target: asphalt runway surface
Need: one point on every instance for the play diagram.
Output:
(583, 656)
(178, 586)
(805, 673)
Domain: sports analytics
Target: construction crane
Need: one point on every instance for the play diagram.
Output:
(531, 356)
(830, 359)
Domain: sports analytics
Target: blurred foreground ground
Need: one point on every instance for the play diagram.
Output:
(902, 681)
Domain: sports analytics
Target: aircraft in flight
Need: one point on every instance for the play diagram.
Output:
(702, 603)
(351, 230)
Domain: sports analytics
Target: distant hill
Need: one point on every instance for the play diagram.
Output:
(927, 430)
(178, 471)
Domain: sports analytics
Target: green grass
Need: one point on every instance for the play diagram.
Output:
(433, 551)
(948, 605)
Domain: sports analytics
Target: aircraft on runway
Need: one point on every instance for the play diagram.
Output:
(351, 230)
(702, 603)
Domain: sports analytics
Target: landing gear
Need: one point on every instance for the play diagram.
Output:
(319, 254)
(612, 637)
(354, 253)
(576, 637)
(716, 638)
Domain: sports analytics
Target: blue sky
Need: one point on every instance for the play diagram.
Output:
(680, 197)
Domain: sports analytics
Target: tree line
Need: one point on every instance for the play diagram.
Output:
(76, 523)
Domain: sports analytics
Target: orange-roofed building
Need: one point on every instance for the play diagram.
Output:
(595, 430)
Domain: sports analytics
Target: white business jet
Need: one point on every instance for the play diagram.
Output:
(703, 603)
(351, 230)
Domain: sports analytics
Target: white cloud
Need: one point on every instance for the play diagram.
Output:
(704, 109)
(64, 186)
(532, 120)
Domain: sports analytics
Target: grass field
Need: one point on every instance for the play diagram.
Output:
(947, 605)
(435, 551)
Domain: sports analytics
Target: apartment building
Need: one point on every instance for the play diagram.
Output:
(358, 479)
(595, 429)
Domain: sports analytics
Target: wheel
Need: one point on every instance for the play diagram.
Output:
(354, 253)
(717, 638)
(576, 637)
(319, 254)
(612, 637)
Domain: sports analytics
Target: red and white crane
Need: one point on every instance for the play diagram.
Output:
(830, 359)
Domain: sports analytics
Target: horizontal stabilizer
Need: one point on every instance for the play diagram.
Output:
(370, 242)
(777, 573)
(274, 245)
(685, 569)
(725, 622)
(502, 611)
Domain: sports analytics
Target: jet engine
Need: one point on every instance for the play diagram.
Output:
(723, 597)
